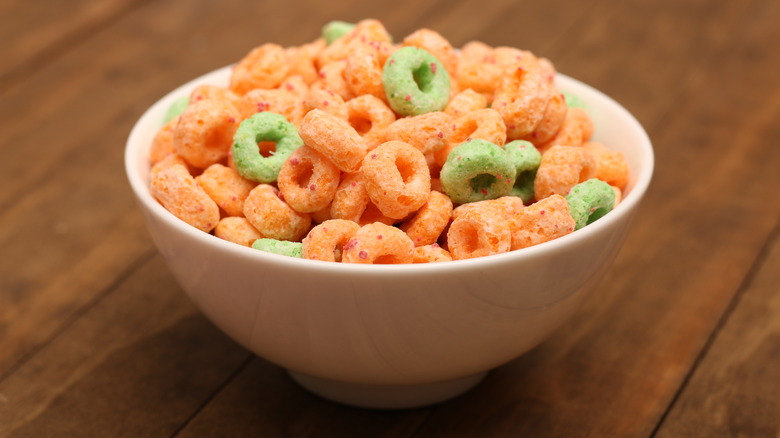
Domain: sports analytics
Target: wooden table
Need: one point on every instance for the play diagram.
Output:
(682, 338)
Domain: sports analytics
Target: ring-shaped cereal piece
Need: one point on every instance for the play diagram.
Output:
(281, 247)
(435, 44)
(237, 230)
(334, 138)
(611, 166)
(370, 117)
(162, 144)
(427, 224)
(590, 200)
(263, 67)
(205, 132)
(521, 99)
(540, 222)
(272, 217)
(484, 124)
(576, 129)
(274, 101)
(326, 241)
(174, 187)
(308, 180)
(427, 132)
(331, 77)
(527, 159)
(397, 178)
(351, 202)
(415, 82)
(477, 170)
(561, 168)
(263, 127)
(363, 72)
(478, 233)
(551, 123)
(378, 243)
(465, 102)
(226, 187)
(506, 206)
(327, 101)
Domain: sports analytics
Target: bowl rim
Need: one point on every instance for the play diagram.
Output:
(135, 152)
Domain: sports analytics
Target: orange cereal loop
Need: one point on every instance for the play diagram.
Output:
(397, 178)
(327, 101)
(303, 60)
(162, 144)
(276, 101)
(435, 44)
(206, 92)
(548, 70)
(477, 68)
(506, 206)
(226, 187)
(237, 230)
(551, 123)
(432, 253)
(334, 138)
(272, 217)
(478, 233)
(425, 227)
(562, 168)
(205, 132)
(351, 202)
(576, 129)
(378, 243)
(331, 77)
(174, 187)
(308, 180)
(465, 102)
(521, 99)
(610, 166)
(485, 124)
(427, 132)
(540, 222)
(295, 85)
(169, 161)
(326, 241)
(363, 73)
(264, 67)
(618, 195)
(370, 117)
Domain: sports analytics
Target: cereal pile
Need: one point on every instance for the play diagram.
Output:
(356, 149)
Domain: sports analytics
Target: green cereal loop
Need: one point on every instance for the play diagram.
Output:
(574, 101)
(415, 82)
(281, 247)
(177, 107)
(477, 170)
(526, 159)
(589, 201)
(265, 126)
(335, 30)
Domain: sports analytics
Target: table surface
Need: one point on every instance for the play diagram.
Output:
(682, 337)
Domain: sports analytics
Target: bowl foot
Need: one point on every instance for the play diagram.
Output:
(387, 396)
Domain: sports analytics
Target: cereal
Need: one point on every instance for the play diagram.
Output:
(326, 241)
(397, 153)
(378, 243)
(237, 230)
(590, 200)
(415, 82)
(281, 247)
(205, 132)
(478, 233)
(425, 227)
(226, 187)
(397, 178)
(272, 217)
(527, 159)
(561, 168)
(264, 67)
(334, 138)
(308, 180)
(370, 117)
(265, 126)
(432, 253)
(541, 222)
(427, 132)
(177, 191)
(477, 170)
(610, 166)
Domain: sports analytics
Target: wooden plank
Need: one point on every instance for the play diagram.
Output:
(615, 368)
(734, 391)
(32, 33)
(136, 364)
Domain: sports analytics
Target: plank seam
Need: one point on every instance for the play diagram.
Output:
(747, 281)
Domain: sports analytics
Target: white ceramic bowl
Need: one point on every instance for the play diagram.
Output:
(392, 336)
